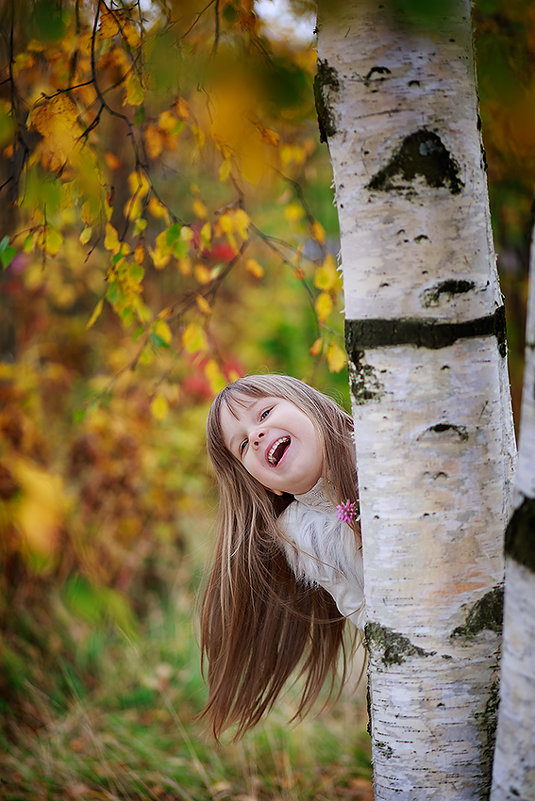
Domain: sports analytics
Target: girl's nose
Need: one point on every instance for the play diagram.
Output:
(255, 439)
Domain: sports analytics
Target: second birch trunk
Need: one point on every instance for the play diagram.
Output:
(514, 761)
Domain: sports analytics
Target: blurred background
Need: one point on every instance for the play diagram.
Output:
(168, 225)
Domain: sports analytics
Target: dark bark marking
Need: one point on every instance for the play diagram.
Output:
(485, 615)
(373, 333)
(363, 381)
(395, 647)
(421, 153)
(487, 722)
(379, 71)
(440, 428)
(326, 78)
(520, 535)
(450, 287)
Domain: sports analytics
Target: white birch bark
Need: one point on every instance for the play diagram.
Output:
(514, 759)
(429, 387)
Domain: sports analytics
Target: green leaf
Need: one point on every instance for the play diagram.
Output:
(136, 272)
(180, 249)
(157, 340)
(7, 252)
(173, 233)
(79, 415)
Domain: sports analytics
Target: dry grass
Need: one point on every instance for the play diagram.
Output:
(116, 721)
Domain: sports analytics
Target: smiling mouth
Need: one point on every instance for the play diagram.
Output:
(277, 450)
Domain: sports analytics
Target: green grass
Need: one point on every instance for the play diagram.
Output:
(115, 718)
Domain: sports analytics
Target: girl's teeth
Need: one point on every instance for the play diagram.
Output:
(271, 457)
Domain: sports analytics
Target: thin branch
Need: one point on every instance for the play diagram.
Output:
(269, 241)
(67, 89)
(216, 32)
(197, 18)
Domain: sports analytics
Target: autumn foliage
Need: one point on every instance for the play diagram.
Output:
(167, 225)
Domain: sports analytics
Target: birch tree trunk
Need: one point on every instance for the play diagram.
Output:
(514, 759)
(425, 334)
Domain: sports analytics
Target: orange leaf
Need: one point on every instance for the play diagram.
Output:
(182, 108)
(153, 141)
(315, 350)
(271, 137)
(253, 267)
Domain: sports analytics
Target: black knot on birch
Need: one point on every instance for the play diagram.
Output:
(325, 79)
(421, 154)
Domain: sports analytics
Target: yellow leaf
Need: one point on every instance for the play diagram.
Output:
(315, 350)
(139, 254)
(108, 24)
(199, 209)
(159, 408)
(293, 212)
(138, 183)
(131, 35)
(198, 135)
(97, 311)
(50, 241)
(318, 232)
(226, 223)
(135, 94)
(111, 240)
(158, 210)
(167, 121)
(214, 376)
(242, 221)
(162, 330)
(153, 141)
(133, 208)
(184, 266)
(326, 276)
(203, 304)
(202, 273)
(159, 258)
(323, 306)
(194, 338)
(186, 234)
(253, 267)
(40, 508)
(224, 170)
(293, 153)
(85, 236)
(206, 233)
(336, 358)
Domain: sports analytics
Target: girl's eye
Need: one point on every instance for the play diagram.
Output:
(243, 446)
(265, 413)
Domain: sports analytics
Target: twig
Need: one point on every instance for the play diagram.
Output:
(197, 18)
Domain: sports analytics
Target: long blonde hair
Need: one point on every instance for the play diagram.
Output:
(257, 622)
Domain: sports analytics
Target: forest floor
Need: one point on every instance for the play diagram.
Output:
(117, 720)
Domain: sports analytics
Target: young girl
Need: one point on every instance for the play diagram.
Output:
(287, 572)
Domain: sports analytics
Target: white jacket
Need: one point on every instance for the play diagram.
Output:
(322, 550)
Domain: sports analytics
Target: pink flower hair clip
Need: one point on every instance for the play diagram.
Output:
(347, 511)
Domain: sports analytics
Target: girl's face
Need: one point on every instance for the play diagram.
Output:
(275, 441)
